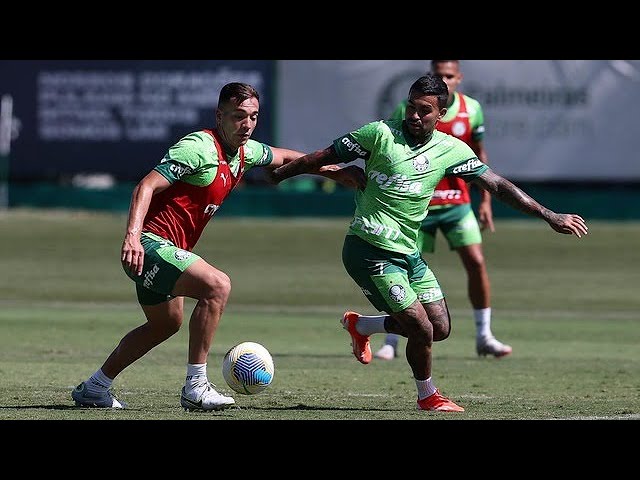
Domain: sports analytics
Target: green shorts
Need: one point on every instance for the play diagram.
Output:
(390, 281)
(163, 265)
(458, 224)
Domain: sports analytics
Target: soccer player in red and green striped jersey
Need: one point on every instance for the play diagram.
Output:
(169, 209)
(404, 162)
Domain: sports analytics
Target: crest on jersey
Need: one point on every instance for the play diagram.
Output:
(421, 163)
(458, 129)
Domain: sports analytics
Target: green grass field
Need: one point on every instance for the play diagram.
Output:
(569, 307)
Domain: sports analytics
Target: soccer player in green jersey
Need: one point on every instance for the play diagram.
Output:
(404, 162)
(450, 211)
(169, 209)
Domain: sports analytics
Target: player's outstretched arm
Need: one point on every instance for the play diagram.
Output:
(507, 192)
(310, 163)
(349, 176)
(282, 156)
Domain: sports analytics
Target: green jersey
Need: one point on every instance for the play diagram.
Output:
(401, 178)
(195, 159)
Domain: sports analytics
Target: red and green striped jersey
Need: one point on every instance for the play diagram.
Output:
(202, 175)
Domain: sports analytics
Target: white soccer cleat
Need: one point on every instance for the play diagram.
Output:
(491, 346)
(386, 352)
(107, 399)
(205, 398)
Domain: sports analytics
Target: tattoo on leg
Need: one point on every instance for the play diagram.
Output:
(438, 314)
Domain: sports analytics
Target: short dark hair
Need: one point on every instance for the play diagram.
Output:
(237, 90)
(435, 63)
(432, 84)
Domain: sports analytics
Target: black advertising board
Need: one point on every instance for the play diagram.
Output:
(117, 116)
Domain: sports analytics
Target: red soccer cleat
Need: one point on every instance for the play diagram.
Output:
(438, 403)
(360, 343)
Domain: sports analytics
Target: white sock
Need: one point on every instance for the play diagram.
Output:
(482, 318)
(425, 388)
(371, 324)
(98, 382)
(196, 375)
(392, 339)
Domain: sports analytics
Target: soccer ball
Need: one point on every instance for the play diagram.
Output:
(248, 368)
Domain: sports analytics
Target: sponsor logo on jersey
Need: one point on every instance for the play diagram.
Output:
(150, 275)
(354, 147)
(430, 295)
(375, 228)
(181, 255)
(396, 181)
(421, 163)
(447, 194)
(397, 293)
(180, 170)
(211, 209)
(467, 166)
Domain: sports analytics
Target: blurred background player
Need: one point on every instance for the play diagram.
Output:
(450, 211)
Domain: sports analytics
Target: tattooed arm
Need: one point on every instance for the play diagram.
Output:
(507, 192)
(311, 163)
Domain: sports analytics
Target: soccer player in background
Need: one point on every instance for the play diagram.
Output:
(450, 211)
(404, 162)
(169, 209)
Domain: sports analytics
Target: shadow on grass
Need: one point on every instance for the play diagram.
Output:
(37, 407)
(301, 407)
(310, 355)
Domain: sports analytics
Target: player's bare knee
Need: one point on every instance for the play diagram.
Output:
(441, 328)
(173, 324)
(421, 332)
(423, 338)
(219, 288)
(161, 331)
(475, 263)
(441, 334)
(163, 320)
(439, 318)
